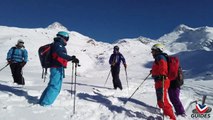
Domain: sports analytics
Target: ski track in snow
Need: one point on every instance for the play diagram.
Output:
(200, 90)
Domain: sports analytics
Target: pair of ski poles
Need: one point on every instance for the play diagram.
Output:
(73, 82)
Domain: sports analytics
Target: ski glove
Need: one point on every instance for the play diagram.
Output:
(22, 64)
(9, 61)
(75, 60)
(73, 57)
(125, 66)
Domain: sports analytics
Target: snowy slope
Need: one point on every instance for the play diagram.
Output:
(17, 102)
(194, 47)
(185, 38)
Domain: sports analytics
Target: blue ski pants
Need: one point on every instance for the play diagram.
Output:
(54, 87)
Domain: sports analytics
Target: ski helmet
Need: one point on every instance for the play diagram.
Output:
(63, 34)
(20, 41)
(159, 47)
(116, 48)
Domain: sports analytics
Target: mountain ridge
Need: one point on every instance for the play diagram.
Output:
(94, 53)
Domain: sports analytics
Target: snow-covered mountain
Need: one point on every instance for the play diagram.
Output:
(185, 38)
(194, 46)
(58, 26)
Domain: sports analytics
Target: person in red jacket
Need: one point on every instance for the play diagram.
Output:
(159, 73)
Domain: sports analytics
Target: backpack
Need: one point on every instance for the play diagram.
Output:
(45, 57)
(13, 52)
(175, 72)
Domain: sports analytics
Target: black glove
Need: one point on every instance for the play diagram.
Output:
(9, 61)
(22, 64)
(125, 66)
(73, 57)
(75, 60)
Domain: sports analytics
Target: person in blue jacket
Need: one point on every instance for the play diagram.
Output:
(17, 57)
(114, 61)
(58, 63)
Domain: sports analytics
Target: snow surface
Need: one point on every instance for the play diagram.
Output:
(20, 102)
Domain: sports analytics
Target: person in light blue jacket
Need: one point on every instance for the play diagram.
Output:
(17, 57)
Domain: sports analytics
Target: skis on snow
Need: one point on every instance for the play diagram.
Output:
(102, 92)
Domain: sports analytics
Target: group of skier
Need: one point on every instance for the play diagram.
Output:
(17, 57)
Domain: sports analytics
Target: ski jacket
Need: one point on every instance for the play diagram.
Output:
(159, 67)
(59, 53)
(17, 55)
(115, 59)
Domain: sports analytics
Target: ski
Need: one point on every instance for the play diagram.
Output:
(102, 93)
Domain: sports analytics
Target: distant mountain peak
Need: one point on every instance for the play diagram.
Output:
(56, 25)
(182, 27)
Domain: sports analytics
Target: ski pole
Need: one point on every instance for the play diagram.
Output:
(44, 74)
(163, 96)
(204, 99)
(107, 78)
(72, 79)
(136, 89)
(127, 79)
(4, 66)
(76, 65)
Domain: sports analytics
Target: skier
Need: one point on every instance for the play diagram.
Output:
(114, 61)
(58, 63)
(17, 57)
(174, 92)
(159, 73)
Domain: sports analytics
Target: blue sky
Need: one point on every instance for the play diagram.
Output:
(108, 20)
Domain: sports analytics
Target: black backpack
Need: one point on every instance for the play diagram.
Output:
(180, 77)
(45, 57)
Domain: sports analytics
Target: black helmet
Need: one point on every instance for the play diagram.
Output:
(116, 48)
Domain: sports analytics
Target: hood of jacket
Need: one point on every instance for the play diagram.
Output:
(59, 39)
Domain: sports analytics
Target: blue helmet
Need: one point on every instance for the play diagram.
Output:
(63, 34)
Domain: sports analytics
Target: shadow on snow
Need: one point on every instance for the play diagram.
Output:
(21, 93)
(103, 100)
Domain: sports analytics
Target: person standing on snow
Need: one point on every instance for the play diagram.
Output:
(159, 73)
(174, 92)
(114, 61)
(58, 63)
(17, 57)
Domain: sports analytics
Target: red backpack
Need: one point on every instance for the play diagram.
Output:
(174, 70)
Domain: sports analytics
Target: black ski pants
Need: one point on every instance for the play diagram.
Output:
(16, 69)
(115, 70)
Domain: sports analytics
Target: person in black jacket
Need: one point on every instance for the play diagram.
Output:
(114, 61)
